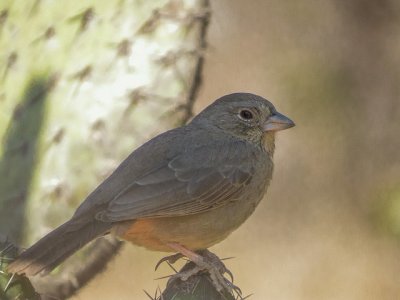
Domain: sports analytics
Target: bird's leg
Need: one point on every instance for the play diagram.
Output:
(205, 261)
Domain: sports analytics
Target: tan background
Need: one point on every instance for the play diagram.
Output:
(333, 67)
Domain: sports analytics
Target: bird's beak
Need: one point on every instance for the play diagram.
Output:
(277, 122)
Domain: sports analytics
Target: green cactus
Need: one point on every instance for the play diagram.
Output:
(13, 287)
(116, 67)
(19, 160)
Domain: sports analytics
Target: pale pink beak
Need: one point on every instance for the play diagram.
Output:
(277, 122)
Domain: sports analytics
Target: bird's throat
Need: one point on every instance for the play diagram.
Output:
(268, 142)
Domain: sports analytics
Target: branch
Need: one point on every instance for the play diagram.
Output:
(76, 275)
(198, 71)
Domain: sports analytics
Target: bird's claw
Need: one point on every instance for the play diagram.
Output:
(170, 259)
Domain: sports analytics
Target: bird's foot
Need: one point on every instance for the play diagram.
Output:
(205, 261)
(209, 262)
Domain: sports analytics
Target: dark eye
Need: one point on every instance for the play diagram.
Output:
(246, 114)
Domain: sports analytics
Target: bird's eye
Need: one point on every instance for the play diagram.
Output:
(246, 114)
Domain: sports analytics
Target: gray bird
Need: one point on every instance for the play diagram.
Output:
(183, 191)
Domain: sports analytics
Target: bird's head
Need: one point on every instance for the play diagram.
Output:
(244, 115)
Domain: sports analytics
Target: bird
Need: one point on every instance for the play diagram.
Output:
(183, 191)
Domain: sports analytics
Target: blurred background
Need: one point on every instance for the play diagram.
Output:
(109, 77)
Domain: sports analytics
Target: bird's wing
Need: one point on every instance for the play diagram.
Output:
(191, 182)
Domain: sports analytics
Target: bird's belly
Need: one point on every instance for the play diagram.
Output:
(197, 231)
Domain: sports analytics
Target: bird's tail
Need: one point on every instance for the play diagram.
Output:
(58, 245)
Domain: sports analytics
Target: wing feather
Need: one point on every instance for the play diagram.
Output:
(189, 183)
